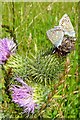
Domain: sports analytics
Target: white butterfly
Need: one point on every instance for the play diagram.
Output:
(67, 26)
(57, 33)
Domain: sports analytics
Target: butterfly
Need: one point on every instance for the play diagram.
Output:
(56, 35)
(62, 36)
(67, 26)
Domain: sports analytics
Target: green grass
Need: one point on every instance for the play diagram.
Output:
(30, 21)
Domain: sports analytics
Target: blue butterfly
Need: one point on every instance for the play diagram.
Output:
(56, 34)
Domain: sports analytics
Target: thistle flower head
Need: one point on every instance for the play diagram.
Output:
(7, 47)
(23, 96)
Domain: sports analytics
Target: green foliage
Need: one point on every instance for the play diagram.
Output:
(29, 22)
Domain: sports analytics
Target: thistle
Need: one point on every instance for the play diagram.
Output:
(43, 68)
(40, 68)
(23, 96)
(7, 48)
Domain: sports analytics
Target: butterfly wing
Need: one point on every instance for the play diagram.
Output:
(55, 35)
(67, 25)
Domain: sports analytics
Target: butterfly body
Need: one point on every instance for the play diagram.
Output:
(68, 44)
(62, 36)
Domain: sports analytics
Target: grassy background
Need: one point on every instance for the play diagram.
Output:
(34, 19)
(29, 22)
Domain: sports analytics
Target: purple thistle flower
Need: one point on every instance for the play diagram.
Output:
(23, 96)
(7, 47)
